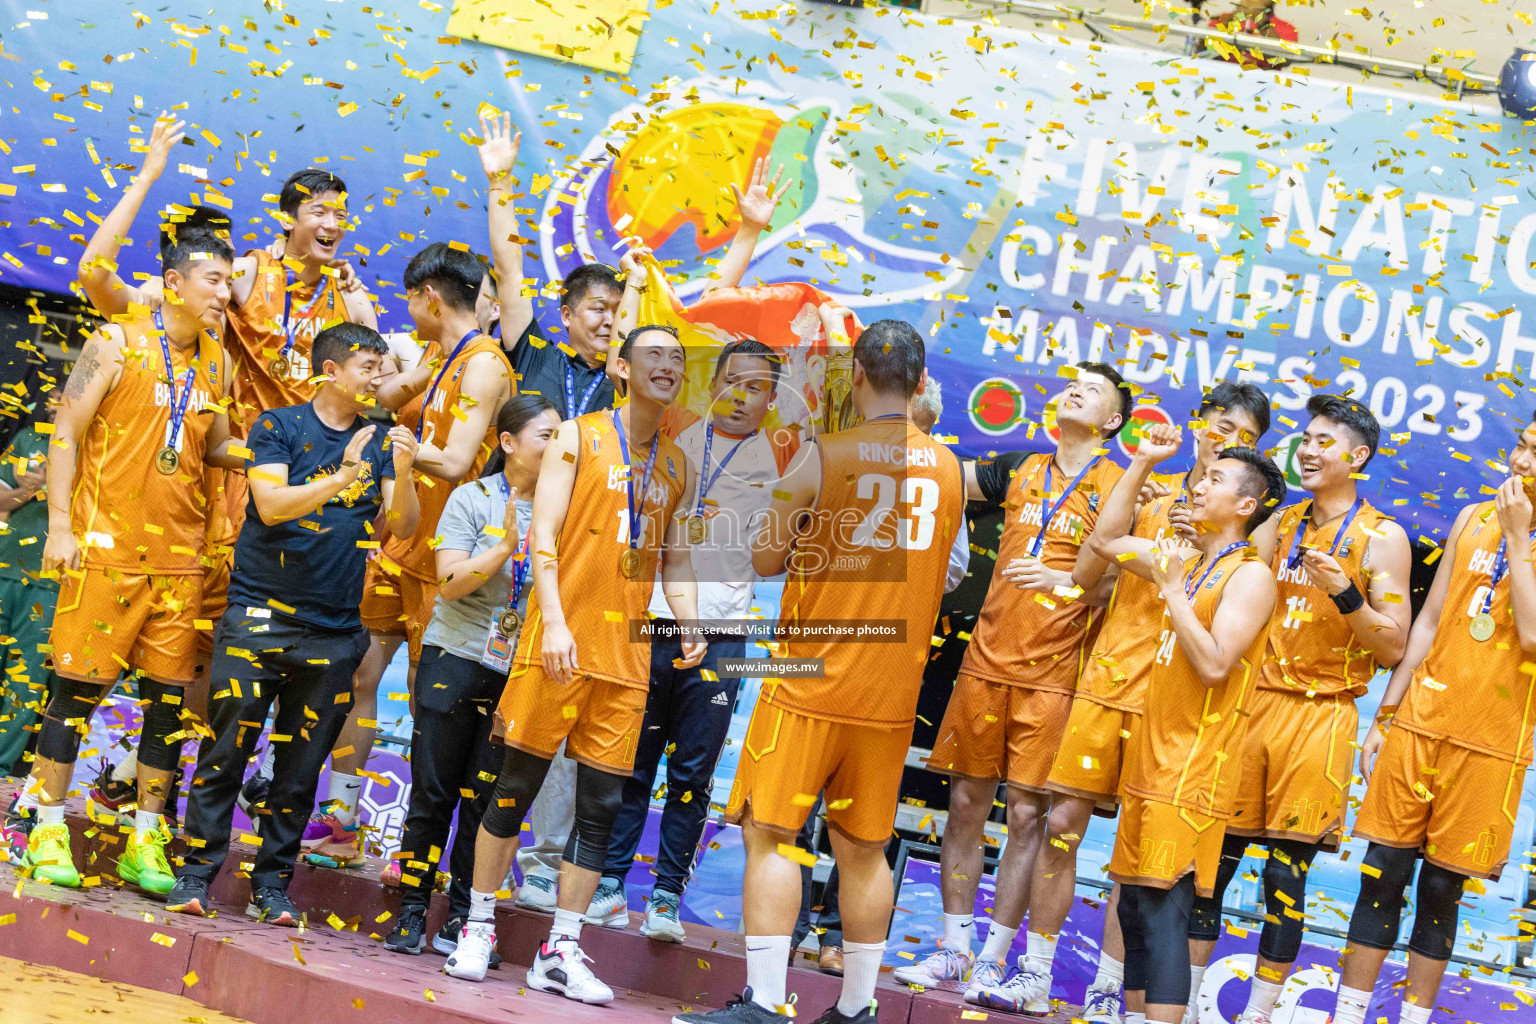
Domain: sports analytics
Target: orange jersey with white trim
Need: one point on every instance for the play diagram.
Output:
(1477, 695)
(875, 557)
(416, 554)
(126, 514)
(1023, 637)
(1312, 649)
(598, 601)
(1186, 751)
(256, 336)
(1117, 670)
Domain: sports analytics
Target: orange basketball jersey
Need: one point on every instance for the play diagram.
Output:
(127, 514)
(1023, 637)
(1312, 649)
(1186, 751)
(875, 558)
(598, 601)
(1475, 695)
(416, 554)
(1117, 670)
(256, 336)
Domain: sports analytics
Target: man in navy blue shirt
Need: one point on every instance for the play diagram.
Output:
(320, 474)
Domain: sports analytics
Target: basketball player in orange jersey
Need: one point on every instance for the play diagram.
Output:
(611, 507)
(450, 399)
(141, 416)
(1106, 713)
(1444, 773)
(1179, 785)
(1014, 692)
(864, 530)
(1342, 573)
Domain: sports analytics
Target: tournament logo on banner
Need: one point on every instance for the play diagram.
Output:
(1142, 417)
(1285, 458)
(996, 406)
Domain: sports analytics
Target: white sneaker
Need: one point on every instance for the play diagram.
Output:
(1192, 1011)
(563, 968)
(662, 917)
(472, 957)
(944, 964)
(1027, 992)
(1102, 1006)
(538, 893)
(1252, 1017)
(985, 974)
(609, 907)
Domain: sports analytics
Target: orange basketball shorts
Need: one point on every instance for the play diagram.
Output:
(996, 731)
(597, 719)
(1298, 760)
(397, 604)
(1456, 805)
(1158, 844)
(788, 759)
(1093, 751)
(110, 622)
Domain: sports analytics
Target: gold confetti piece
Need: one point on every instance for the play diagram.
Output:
(77, 936)
(797, 855)
(189, 979)
(703, 964)
(161, 939)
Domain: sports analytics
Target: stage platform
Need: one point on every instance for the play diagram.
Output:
(337, 968)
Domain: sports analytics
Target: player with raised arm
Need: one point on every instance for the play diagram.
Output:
(1179, 785)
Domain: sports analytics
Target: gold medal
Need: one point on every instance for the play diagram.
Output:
(278, 367)
(629, 563)
(167, 460)
(1482, 627)
(509, 622)
(697, 529)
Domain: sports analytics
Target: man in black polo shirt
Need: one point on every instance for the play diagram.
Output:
(319, 475)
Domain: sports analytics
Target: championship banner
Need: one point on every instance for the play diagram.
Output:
(1025, 200)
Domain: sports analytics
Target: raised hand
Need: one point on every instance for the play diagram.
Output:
(166, 133)
(352, 458)
(402, 448)
(761, 199)
(499, 150)
(1514, 508)
(1161, 441)
(630, 263)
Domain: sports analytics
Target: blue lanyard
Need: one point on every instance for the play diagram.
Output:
(709, 440)
(1500, 570)
(1048, 508)
(635, 514)
(426, 406)
(178, 402)
(520, 563)
(571, 409)
(290, 329)
(1301, 528)
(1189, 591)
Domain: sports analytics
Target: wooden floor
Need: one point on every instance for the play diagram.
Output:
(39, 994)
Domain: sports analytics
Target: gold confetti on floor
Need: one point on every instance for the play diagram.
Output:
(36, 993)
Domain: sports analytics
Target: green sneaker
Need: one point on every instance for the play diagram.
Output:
(143, 863)
(48, 857)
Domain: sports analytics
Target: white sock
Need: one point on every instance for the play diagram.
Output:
(1413, 1013)
(1262, 996)
(1111, 974)
(269, 762)
(344, 791)
(768, 969)
(145, 822)
(127, 769)
(50, 815)
(27, 801)
(1351, 1005)
(861, 969)
(567, 926)
(482, 905)
(1041, 952)
(999, 939)
(959, 929)
(1135, 1018)
(1196, 975)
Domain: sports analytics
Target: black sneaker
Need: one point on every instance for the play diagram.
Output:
(409, 934)
(270, 904)
(741, 1010)
(836, 1016)
(188, 896)
(114, 796)
(447, 940)
(252, 795)
(19, 823)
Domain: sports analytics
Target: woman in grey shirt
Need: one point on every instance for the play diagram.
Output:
(482, 562)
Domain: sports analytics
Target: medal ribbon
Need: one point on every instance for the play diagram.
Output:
(635, 514)
(1500, 570)
(521, 566)
(1048, 508)
(709, 441)
(426, 405)
(1301, 528)
(289, 326)
(1189, 591)
(571, 409)
(179, 402)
